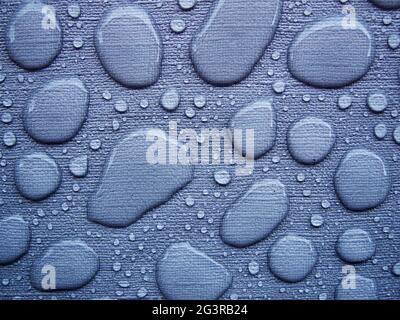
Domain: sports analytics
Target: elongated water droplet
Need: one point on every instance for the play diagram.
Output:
(129, 46)
(14, 239)
(255, 215)
(234, 38)
(130, 180)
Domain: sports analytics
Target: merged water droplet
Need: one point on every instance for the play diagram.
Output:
(73, 262)
(387, 4)
(362, 289)
(331, 53)
(292, 258)
(129, 47)
(258, 116)
(233, 39)
(355, 245)
(34, 36)
(131, 180)
(185, 273)
(57, 111)
(310, 140)
(362, 181)
(14, 239)
(255, 215)
(37, 176)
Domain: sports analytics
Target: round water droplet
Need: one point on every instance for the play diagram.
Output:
(355, 245)
(121, 106)
(292, 258)
(396, 269)
(222, 177)
(317, 220)
(380, 131)
(377, 102)
(129, 47)
(57, 111)
(345, 101)
(362, 181)
(9, 139)
(178, 25)
(37, 176)
(34, 36)
(14, 239)
(74, 10)
(396, 135)
(253, 267)
(310, 140)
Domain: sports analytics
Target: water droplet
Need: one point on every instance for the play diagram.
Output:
(14, 239)
(355, 245)
(222, 177)
(364, 289)
(260, 117)
(79, 166)
(317, 220)
(330, 54)
(74, 10)
(292, 258)
(380, 131)
(345, 101)
(187, 4)
(57, 111)
(129, 46)
(396, 135)
(185, 273)
(121, 106)
(310, 140)
(37, 176)
(362, 181)
(387, 4)
(170, 99)
(34, 36)
(256, 214)
(130, 180)
(178, 25)
(377, 102)
(253, 267)
(9, 139)
(216, 54)
(74, 262)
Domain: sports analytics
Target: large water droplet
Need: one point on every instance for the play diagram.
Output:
(74, 263)
(37, 176)
(135, 184)
(129, 46)
(184, 273)
(14, 239)
(355, 245)
(255, 215)
(362, 181)
(292, 258)
(57, 111)
(260, 117)
(234, 38)
(387, 4)
(310, 140)
(331, 53)
(34, 36)
(363, 289)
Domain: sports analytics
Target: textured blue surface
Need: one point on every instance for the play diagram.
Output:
(129, 256)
